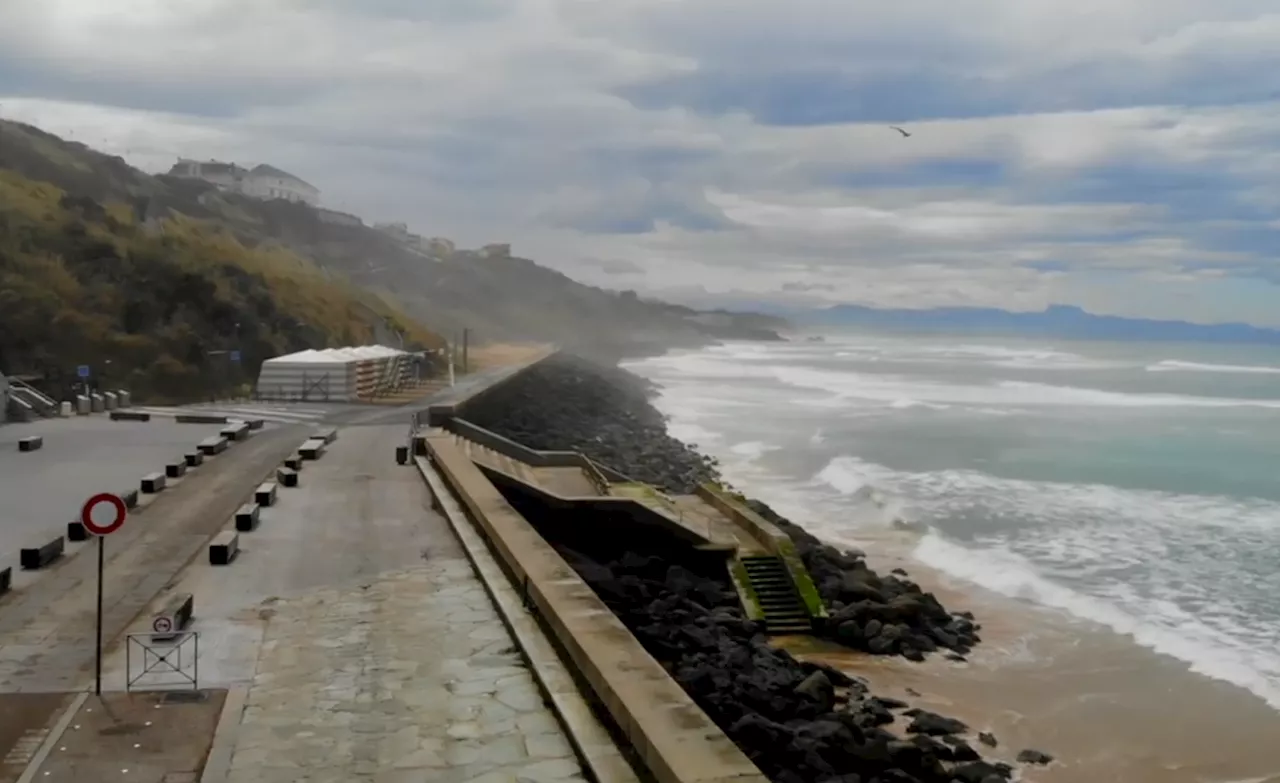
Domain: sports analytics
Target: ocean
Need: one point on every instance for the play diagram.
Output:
(1136, 486)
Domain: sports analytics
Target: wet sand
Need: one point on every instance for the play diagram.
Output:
(1105, 707)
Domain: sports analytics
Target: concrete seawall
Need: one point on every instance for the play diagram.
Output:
(673, 738)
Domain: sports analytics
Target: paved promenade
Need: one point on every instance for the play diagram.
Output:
(410, 678)
(360, 643)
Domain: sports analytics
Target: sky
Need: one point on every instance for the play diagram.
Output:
(1120, 155)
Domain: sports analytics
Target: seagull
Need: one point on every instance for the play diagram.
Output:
(905, 135)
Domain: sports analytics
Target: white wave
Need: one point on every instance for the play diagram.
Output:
(891, 388)
(1162, 567)
(944, 492)
(1161, 626)
(705, 367)
(1172, 365)
(1046, 394)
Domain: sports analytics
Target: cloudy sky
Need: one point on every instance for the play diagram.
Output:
(1123, 155)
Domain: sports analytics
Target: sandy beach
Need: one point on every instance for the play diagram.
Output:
(1105, 707)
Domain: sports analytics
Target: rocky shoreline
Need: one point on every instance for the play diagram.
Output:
(800, 722)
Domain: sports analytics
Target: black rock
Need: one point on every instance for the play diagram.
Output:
(988, 739)
(1033, 756)
(982, 772)
(935, 725)
(818, 688)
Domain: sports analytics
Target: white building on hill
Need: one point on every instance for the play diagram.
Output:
(263, 181)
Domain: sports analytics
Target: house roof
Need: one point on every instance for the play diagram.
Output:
(264, 170)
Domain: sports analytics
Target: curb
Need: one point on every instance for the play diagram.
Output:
(217, 765)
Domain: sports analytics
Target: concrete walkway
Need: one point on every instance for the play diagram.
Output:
(379, 656)
(412, 678)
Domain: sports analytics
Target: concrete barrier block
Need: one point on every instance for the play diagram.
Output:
(312, 449)
(236, 430)
(130, 498)
(256, 424)
(215, 444)
(35, 557)
(293, 462)
(6, 579)
(110, 400)
(130, 416)
(31, 443)
(328, 435)
(288, 477)
(224, 548)
(247, 517)
(176, 613)
(124, 397)
(76, 531)
(265, 495)
(64, 409)
(82, 405)
(402, 455)
(97, 404)
(200, 418)
(194, 458)
(153, 483)
(176, 469)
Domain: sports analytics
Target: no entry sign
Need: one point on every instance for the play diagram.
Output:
(103, 514)
(162, 624)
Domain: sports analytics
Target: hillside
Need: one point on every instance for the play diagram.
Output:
(496, 296)
(153, 307)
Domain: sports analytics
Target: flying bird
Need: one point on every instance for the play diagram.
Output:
(905, 135)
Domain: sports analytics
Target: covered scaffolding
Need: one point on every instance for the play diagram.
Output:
(334, 374)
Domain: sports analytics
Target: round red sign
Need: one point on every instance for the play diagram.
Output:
(110, 525)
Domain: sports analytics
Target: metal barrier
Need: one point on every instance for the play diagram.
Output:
(174, 663)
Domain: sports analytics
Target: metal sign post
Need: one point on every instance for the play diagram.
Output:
(106, 523)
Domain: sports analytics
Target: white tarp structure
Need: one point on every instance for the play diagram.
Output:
(337, 374)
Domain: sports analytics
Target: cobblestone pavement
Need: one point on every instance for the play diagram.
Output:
(406, 679)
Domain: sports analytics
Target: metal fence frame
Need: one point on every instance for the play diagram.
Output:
(171, 645)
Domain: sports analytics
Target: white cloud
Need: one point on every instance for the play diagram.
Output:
(512, 120)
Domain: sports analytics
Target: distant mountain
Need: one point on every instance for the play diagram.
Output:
(1063, 321)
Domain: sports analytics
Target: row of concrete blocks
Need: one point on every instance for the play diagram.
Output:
(34, 558)
(83, 405)
(226, 545)
(37, 557)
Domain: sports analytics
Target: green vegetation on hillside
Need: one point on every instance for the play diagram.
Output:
(157, 307)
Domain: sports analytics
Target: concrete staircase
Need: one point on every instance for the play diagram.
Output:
(487, 457)
(26, 402)
(784, 611)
